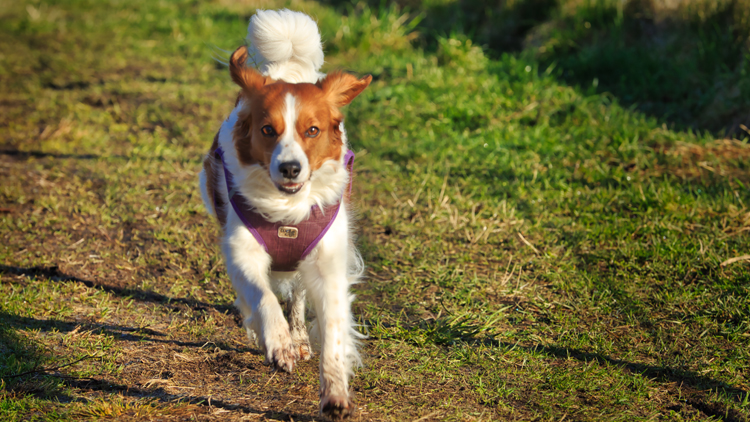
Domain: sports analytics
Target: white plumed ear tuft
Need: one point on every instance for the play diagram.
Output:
(285, 45)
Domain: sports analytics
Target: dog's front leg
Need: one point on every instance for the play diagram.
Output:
(248, 265)
(296, 318)
(327, 283)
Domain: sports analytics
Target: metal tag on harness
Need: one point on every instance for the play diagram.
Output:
(286, 232)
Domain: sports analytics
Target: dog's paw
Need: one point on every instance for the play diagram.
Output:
(337, 407)
(282, 358)
(304, 351)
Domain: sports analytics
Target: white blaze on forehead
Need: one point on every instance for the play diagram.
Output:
(288, 149)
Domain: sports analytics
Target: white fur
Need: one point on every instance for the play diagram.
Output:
(207, 202)
(289, 45)
(288, 148)
(327, 275)
(285, 45)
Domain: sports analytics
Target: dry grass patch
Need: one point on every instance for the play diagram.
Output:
(724, 158)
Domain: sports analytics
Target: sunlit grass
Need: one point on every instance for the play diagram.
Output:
(537, 247)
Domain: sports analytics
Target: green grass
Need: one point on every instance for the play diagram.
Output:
(538, 247)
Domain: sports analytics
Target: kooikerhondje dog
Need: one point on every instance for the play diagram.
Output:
(277, 179)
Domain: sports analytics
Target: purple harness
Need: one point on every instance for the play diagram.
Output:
(287, 245)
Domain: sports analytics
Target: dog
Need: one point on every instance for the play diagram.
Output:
(277, 179)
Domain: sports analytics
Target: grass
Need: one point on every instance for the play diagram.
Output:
(539, 247)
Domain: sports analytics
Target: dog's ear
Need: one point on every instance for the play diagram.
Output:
(341, 88)
(246, 77)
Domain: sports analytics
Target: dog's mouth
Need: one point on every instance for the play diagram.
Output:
(290, 188)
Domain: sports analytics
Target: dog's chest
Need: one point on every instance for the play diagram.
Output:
(287, 244)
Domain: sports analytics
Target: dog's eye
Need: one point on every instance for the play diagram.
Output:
(268, 131)
(312, 132)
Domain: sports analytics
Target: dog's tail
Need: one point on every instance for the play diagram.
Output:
(285, 45)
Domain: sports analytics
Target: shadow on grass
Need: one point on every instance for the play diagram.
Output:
(174, 304)
(25, 155)
(28, 368)
(501, 26)
(37, 154)
(693, 385)
(688, 67)
(20, 355)
(679, 66)
(39, 376)
(120, 332)
(163, 397)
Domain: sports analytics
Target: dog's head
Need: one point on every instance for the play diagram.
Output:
(290, 129)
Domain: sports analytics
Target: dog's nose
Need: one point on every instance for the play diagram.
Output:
(289, 169)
